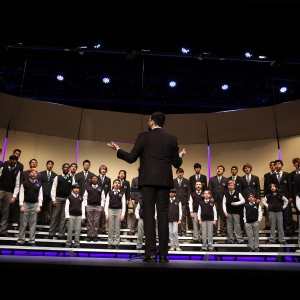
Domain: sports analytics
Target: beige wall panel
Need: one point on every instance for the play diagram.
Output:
(241, 125)
(42, 148)
(49, 118)
(189, 129)
(257, 153)
(287, 118)
(100, 154)
(194, 154)
(104, 126)
(184, 127)
(290, 148)
(7, 104)
(2, 137)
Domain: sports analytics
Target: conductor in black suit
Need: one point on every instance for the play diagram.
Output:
(158, 151)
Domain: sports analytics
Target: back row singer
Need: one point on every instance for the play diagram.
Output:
(158, 152)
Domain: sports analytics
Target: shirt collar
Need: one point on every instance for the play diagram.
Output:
(75, 195)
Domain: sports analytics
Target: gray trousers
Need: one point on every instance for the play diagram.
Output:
(5, 198)
(173, 234)
(28, 216)
(58, 217)
(93, 213)
(233, 222)
(74, 225)
(197, 228)
(207, 235)
(182, 226)
(276, 218)
(140, 235)
(114, 224)
(252, 230)
(134, 221)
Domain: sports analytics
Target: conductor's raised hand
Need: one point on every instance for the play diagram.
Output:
(182, 153)
(113, 146)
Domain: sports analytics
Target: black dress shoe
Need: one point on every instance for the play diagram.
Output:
(95, 239)
(31, 244)
(109, 247)
(49, 237)
(89, 239)
(60, 237)
(117, 247)
(163, 259)
(151, 259)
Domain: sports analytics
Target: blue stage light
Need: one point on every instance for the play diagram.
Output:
(283, 89)
(97, 46)
(184, 50)
(225, 87)
(172, 84)
(248, 54)
(60, 77)
(106, 80)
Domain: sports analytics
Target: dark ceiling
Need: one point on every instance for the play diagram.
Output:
(141, 53)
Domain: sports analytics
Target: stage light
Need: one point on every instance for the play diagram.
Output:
(172, 84)
(225, 87)
(184, 50)
(248, 54)
(60, 77)
(283, 89)
(262, 56)
(106, 80)
(97, 46)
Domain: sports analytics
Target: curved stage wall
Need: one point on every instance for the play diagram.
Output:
(50, 131)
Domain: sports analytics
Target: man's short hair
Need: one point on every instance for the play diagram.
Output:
(17, 150)
(50, 161)
(158, 118)
(197, 165)
(230, 182)
(32, 160)
(116, 180)
(247, 166)
(65, 164)
(74, 164)
(13, 157)
(221, 166)
(272, 162)
(278, 160)
(104, 167)
(295, 160)
(86, 161)
(179, 170)
(234, 167)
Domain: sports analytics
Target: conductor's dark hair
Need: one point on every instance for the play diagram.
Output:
(158, 118)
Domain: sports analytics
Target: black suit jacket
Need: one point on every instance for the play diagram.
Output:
(217, 189)
(47, 185)
(125, 188)
(238, 183)
(253, 187)
(296, 185)
(292, 177)
(203, 180)
(106, 184)
(83, 183)
(135, 195)
(183, 192)
(285, 185)
(19, 166)
(267, 182)
(157, 150)
(1, 164)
